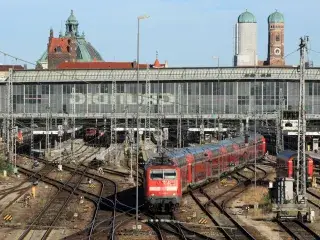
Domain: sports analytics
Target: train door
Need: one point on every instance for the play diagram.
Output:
(229, 161)
(235, 158)
(223, 159)
(184, 171)
(190, 173)
(208, 161)
(215, 162)
(199, 166)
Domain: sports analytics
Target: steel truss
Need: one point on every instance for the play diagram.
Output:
(301, 184)
(166, 74)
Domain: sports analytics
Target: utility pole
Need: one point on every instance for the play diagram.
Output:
(301, 187)
(180, 117)
(279, 139)
(138, 119)
(32, 140)
(159, 139)
(148, 113)
(73, 134)
(113, 120)
(10, 123)
(47, 131)
(202, 130)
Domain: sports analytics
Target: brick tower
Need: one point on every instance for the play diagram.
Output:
(276, 39)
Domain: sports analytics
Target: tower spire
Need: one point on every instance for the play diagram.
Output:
(72, 26)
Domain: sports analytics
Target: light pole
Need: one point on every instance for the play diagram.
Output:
(218, 135)
(138, 122)
(255, 118)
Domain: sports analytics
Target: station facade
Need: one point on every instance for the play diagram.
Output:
(225, 93)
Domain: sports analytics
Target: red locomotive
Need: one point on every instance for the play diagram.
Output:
(286, 164)
(94, 135)
(167, 177)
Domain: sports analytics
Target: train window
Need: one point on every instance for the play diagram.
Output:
(169, 174)
(156, 174)
(162, 174)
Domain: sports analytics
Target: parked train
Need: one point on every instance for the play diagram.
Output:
(286, 165)
(95, 136)
(167, 177)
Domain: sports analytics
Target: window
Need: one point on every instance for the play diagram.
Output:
(163, 174)
(277, 37)
(120, 88)
(45, 89)
(156, 174)
(169, 174)
(243, 100)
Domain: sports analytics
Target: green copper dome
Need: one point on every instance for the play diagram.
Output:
(246, 17)
(276, 17)
(72, 18)
(85, 51)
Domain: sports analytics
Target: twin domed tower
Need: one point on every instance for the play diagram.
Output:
(246, 52)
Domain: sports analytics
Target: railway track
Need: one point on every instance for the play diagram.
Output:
(298, 230)
(52, 210)
(313, 198)
(215, 207)
(46, 170)
(104, 201)
(166, 226)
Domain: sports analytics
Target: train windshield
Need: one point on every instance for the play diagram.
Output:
(163, 174)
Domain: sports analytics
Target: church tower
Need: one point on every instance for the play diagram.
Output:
(276, 39)
(72, 26)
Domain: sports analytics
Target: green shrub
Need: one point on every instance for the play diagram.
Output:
(4, 165)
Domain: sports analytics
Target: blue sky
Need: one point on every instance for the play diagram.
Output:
(184, 32)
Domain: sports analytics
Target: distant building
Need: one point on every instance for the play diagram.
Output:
(246, 40)
(276, 39)
(110, 65)
(72, 51)
(71, 47)
(4, 70)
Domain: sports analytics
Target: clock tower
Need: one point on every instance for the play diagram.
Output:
(276, 39)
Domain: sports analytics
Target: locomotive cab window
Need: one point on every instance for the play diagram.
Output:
(169, 174)
(163, 174)
(156, 174)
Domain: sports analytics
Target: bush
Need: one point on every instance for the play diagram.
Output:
(4, 165)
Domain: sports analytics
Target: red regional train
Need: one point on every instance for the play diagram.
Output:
(92, 134)
(286, 161)
(167, 177)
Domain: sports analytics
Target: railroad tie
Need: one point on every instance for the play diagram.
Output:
(7, 218)
(203, 221)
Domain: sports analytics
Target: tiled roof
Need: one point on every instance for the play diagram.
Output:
(100, 65)
(59, 45)
(157, 64)
(14, 67)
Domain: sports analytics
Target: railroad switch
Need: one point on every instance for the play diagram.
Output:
(8, 218)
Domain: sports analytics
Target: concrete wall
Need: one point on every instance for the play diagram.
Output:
(246, 44)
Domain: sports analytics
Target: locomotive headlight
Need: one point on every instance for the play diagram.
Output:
(152, 194)
(174, 194)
